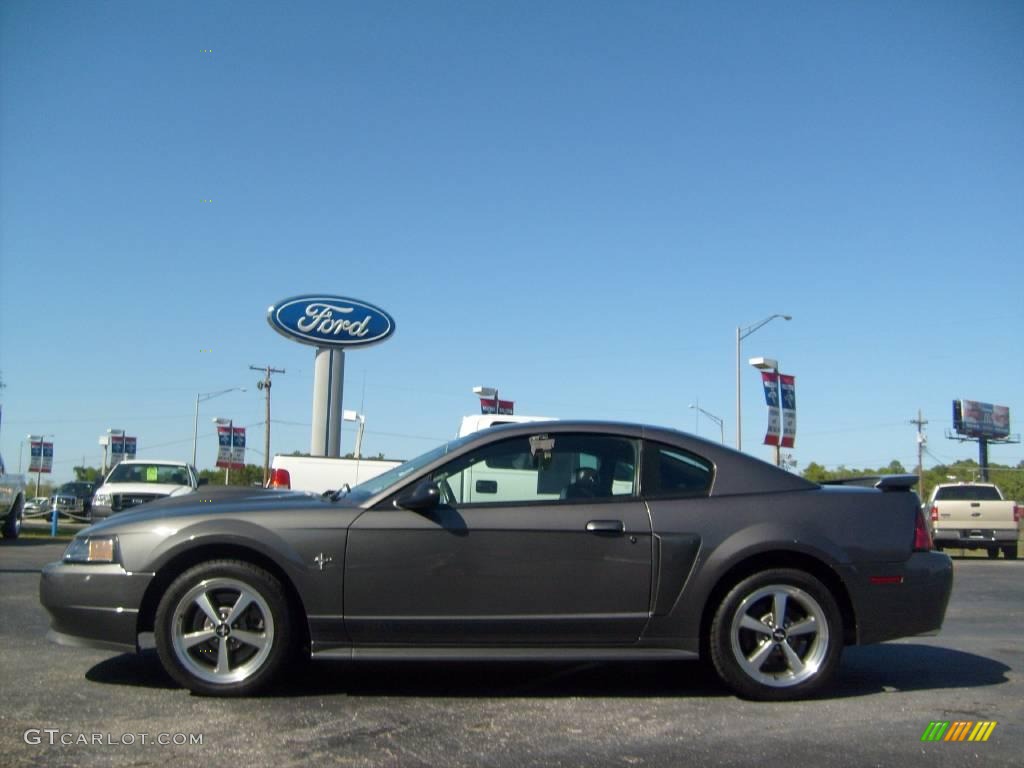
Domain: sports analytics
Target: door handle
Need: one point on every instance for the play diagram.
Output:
(605, 526)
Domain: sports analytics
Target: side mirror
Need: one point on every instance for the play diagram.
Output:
(204, 480)
(421, 498)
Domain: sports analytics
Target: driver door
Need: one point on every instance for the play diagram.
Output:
(536, 540)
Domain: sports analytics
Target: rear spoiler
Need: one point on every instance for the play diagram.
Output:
(881, 482)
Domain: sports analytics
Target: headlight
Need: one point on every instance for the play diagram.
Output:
(101, 500)
(92, 549)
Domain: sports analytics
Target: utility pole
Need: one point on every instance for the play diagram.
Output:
(265, 384)
(920, 421)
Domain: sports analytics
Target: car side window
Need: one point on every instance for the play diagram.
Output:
(673, 472)
(542, 468)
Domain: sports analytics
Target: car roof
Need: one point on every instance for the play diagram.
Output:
(174, 462)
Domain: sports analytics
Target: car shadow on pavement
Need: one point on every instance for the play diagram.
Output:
(871, 669)
(513, 679)
(447, 679)
(865, 671)
(141, 670)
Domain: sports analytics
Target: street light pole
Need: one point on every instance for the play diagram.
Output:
(203, 397)
(741, 334)
(360, 419)
(716, 419)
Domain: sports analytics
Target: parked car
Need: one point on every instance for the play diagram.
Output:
(37, 504)
(975, 516)
(12, 503)
(73, 499)
(136, 481)
(551, 540)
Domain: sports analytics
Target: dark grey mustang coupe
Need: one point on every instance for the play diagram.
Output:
(553, 540)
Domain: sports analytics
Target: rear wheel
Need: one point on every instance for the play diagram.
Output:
(993, 553)
(223, 628)
(777, 636)
(1010, 553)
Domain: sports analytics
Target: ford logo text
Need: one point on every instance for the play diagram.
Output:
(330, 321)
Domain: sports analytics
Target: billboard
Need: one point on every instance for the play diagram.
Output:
(121, 447)
(41, 459)
(974, 419)
(788, 386)
(770, 380)
(231, 452)
(490, 405)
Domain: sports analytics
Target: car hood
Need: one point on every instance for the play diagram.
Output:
(217, 501)
(167, 489)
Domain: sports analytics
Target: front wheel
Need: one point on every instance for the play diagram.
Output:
(1010, 552)
(777, 636)
(223, 628)
(12, 525)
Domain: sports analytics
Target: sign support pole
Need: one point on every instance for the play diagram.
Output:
(328, 386)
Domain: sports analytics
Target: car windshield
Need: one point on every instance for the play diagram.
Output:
(393, 476)
(76, 489)
(169, 474)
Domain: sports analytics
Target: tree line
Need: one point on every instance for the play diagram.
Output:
(1009, 479)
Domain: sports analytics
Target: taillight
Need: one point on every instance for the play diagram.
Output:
(935, 513)
(922, 538)
(279, 478)
(1018, 513)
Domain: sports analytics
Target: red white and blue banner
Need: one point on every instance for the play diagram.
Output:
(121, 447)
(41, 457)
(770, 380)
(787, 384)
(490, 405)
(231, 452)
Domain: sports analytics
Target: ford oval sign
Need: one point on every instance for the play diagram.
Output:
(330, 321)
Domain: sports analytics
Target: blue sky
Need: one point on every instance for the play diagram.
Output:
(576, 202)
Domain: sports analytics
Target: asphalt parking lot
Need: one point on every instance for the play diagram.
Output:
(116, 709)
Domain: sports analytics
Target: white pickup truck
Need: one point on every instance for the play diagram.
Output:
(319, 474)
(975, 516)
(12, 503)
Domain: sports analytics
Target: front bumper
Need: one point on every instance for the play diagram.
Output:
(93, 605)
(905, 599)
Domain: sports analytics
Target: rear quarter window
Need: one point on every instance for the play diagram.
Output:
(670, 472)
(967, 493)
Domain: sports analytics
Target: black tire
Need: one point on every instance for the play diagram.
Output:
(213, 659)
(1010, 552)
(777, 666)
(993, 553)
(12, 525)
